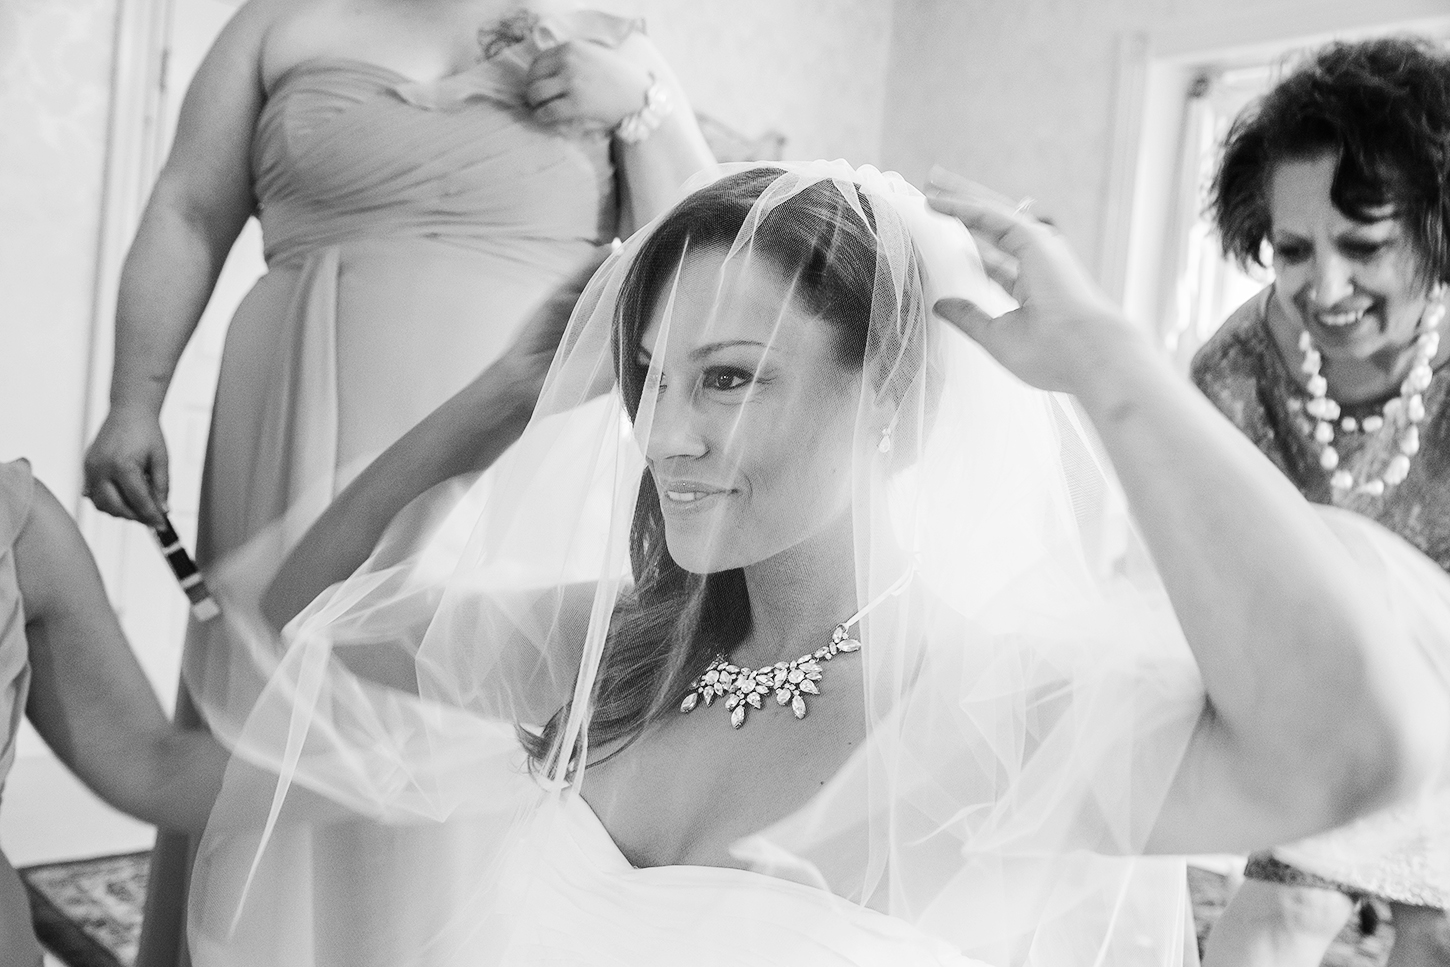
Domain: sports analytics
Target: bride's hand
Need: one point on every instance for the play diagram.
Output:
(1065, 326)
(532, 351)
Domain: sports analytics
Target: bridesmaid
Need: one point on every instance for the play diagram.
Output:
(426, 172)
(1340, 373)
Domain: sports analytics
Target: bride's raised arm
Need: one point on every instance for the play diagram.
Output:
(464, 435)
(1322, 703)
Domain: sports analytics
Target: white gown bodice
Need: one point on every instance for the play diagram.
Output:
(582, 902)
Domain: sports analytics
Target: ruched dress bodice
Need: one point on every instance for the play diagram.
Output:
(346, 150)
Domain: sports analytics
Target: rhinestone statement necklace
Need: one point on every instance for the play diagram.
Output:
(791, 681)
(1406, 409)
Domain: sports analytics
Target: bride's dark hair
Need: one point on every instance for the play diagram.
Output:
(669, 626)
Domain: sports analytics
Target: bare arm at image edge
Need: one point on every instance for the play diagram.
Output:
(89, 698)
(202, 199)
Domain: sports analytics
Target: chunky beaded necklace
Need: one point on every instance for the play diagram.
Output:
(1405, 410)
(791, 681)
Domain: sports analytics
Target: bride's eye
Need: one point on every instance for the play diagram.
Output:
(725, 378)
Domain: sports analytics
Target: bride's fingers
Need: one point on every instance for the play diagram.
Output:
(988, 219)
(948, 183)
(965, 315)
(1001, 336)
(1001, 268)
(952, 183)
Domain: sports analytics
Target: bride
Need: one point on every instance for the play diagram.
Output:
(795, 629)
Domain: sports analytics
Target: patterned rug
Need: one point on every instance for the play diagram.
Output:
(88, 912)
(1211, 892)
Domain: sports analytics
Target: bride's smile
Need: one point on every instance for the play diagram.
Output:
(754, 408)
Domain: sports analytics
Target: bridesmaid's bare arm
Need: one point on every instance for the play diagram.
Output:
(201, 200)
(653, 171)
(89, 698)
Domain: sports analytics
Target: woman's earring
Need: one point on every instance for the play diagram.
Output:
(885, 445)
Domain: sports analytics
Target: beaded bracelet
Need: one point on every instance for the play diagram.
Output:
(642, 123)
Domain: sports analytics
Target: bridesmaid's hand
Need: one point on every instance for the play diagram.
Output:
(585, 83)
(126, 467)
(1065, 326)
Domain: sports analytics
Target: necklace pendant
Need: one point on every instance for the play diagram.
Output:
(791, 681)
(1408, 407)
(746, 688)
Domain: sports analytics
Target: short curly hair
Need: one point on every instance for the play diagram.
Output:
(1383, 108)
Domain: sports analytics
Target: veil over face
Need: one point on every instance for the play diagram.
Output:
(752, 395)
(751, 454)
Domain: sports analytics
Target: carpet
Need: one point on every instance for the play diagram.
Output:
(1209, 892)
(88, 912)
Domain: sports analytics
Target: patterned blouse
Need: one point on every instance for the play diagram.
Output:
(1243, 372)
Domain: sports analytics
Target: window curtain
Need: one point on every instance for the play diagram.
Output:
(1203, 287)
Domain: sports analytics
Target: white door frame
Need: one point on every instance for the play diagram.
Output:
(135, 150)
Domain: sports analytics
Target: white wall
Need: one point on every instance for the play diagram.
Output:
(811, 69)
(55, 65)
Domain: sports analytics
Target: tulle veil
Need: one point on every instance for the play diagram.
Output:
(1026, 693)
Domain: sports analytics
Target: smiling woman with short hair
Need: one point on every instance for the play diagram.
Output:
(1337, 371)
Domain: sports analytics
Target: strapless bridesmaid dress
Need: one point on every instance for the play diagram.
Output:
(409, 229)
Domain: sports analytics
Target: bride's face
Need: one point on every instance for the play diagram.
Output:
(755, 410)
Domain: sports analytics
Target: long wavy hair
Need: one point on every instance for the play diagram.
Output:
(665, 631)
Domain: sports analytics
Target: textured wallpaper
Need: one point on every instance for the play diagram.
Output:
(55, 63)
(814, 70)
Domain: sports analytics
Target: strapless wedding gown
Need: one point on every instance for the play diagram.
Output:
(552, 890)
(585, 904)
